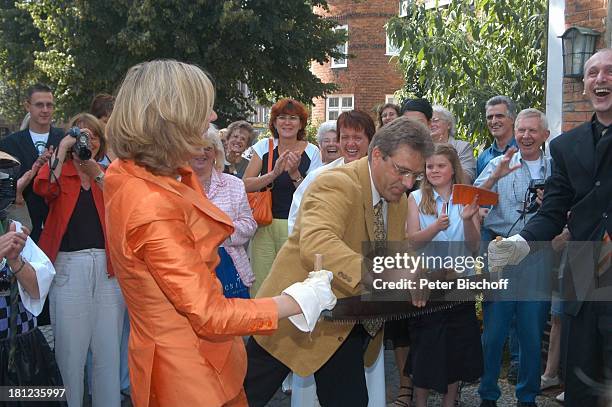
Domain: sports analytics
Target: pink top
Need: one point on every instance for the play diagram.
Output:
(228, 194)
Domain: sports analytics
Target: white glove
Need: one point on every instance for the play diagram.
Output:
(509, 251)
(313, 295)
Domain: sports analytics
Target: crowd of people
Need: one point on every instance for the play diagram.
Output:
(142, 234)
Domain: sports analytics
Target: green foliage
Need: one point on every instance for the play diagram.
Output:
(461, 55)
(265, 44)
(19, 40)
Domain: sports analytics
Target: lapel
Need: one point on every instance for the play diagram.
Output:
(188, 187)
(363, 173)
(216, 184)
(584, 150)
(55, 136)
(27, 148)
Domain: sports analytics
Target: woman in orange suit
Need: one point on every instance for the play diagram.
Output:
(185, 347)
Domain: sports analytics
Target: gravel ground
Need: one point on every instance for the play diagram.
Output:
(469, 394)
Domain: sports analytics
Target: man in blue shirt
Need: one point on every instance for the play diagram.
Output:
(524, 304)
(500, 113)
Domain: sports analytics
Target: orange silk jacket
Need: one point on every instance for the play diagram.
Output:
(185, 347)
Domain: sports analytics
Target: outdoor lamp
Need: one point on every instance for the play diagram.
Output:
(578, 46)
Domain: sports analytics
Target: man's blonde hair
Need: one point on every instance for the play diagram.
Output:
(160, 114)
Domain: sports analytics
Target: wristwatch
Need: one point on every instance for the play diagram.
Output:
(99, 178)
(298, 179)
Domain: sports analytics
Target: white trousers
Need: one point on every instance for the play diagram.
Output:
(87, 309)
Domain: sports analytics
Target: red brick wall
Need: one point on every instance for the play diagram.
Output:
(369, 76)
(591, 14)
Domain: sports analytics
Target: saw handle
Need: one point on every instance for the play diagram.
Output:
(318, 262)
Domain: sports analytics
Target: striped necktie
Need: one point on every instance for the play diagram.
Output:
(372, 326)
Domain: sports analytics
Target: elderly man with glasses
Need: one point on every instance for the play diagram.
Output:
(511, 175)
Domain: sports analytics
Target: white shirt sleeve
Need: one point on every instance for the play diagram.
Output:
(297, 200)
(45, 272)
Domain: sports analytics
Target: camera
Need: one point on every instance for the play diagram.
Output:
(536, 184)
(532, 205)
(81, 147)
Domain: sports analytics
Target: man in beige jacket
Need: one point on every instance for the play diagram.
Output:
(339, 212)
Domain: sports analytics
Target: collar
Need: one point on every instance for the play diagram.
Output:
(375, 195)
(598, 128)
(518, 158)
(187, 187)
(438, 197)
(512, 143)
(216, 182)
(339, 161)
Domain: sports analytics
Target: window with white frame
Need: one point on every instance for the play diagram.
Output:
(403, 8)
(390, 99)
(336, 104)
(433, 3)
(343, 48)
(391, 48)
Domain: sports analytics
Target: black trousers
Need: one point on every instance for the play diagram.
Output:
(340, 381)
(588, 360)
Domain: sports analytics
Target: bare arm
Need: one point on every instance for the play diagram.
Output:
(252, 180)
(420, 237)
(287, 306)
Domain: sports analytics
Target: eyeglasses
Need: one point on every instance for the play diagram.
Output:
(286, 117)
(40, 105)
(406, 173)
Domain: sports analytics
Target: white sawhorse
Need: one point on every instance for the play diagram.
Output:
(303, 389)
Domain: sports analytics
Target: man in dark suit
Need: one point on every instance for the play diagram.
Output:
(580, 183)
(35, 143)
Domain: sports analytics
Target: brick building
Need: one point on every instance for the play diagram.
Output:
(368, 79)
(591, 14)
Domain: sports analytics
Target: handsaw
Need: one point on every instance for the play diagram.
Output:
(355, 309)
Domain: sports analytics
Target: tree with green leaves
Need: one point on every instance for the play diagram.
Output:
(464, 53)
(19, 40)
(266, 44)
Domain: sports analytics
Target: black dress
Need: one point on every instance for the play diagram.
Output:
(445, 348)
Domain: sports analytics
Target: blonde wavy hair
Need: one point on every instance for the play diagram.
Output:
(161, 111)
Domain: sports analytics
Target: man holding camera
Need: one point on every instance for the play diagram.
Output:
(34, 145)
(516, 176)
